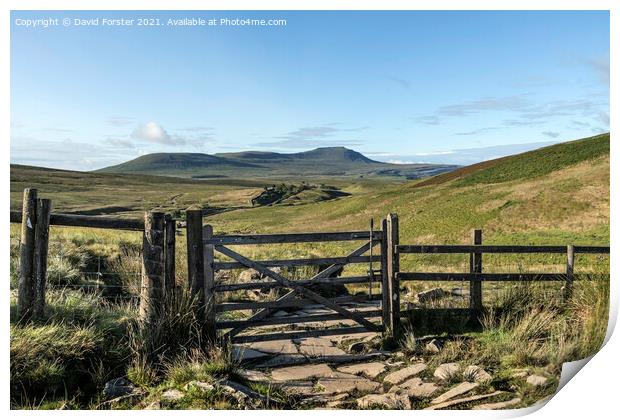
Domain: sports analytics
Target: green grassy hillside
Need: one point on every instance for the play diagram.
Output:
(529, 164)
(555, 194)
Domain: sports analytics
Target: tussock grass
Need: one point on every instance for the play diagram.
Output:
(64, 354)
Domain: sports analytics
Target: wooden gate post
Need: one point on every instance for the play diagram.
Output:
(195, 257)
(390, 266)
(25, 296)
(393, 268)
(570, 275)
(41, 245)
(385, 294)
(152, 287)
(475, 285)
(209, 278)
(170, 253)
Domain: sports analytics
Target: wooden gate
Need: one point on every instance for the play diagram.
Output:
(299, 292)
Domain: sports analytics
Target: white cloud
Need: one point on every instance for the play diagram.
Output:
(155, 133)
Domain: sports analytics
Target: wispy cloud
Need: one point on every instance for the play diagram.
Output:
(600, 65)
(460, 156)
(427, 120)
(315, 136)
(552, 134)
(120, 121)
(401, 82)
(477, 131)
(526, 112)
(58, 129)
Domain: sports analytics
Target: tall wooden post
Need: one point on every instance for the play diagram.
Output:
(209, 276)
(25, 297)
(41, 245)
(475, 267)
(393, 266)
(386, 302)
(390, 265)
(570, 275)
(195, 257)
(170, 253)
(152, 288)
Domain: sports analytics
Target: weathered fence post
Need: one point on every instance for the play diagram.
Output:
(170, 253)
(385, 294)
(25, 297)
(41, 245)
(570, 275)
(475, 267)
(209, 277)
(195, 257)
(394, 268)
(152, 266)
(389, 268)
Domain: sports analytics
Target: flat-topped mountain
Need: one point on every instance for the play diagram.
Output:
(324, 161)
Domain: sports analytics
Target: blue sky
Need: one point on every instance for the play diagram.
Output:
(450, 87)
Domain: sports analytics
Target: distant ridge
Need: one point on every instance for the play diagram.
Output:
(323, 161)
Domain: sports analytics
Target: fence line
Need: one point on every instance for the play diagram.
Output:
(158, 269)
(36, 217)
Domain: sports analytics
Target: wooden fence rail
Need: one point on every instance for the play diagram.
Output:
(499, 249)
(476, 277)
(101, 222)
(158, 252)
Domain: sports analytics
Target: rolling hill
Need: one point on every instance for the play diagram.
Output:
(557, 194)
(325, 161)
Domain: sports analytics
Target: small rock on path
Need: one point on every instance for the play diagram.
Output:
(447, 371)
(536, 380)
(476, 374)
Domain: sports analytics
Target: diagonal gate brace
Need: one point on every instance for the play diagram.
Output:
(264, 313)
(298, 289)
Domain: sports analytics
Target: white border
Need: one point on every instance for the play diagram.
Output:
(592, 394)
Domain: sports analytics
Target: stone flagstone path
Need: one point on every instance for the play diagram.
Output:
(323, 372)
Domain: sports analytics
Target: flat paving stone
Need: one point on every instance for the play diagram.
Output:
(391, 401)
(316, 347)
(372, 369)
(498, 405)
(283, 360)
(293, 373)
(364, 337)
(325, 398)
(304, 388)
(274, 347)
(463, 400)
(455, 391)
(404, 373)
(416, 387)
(244, 354)
(253, 375)
(340, 382)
